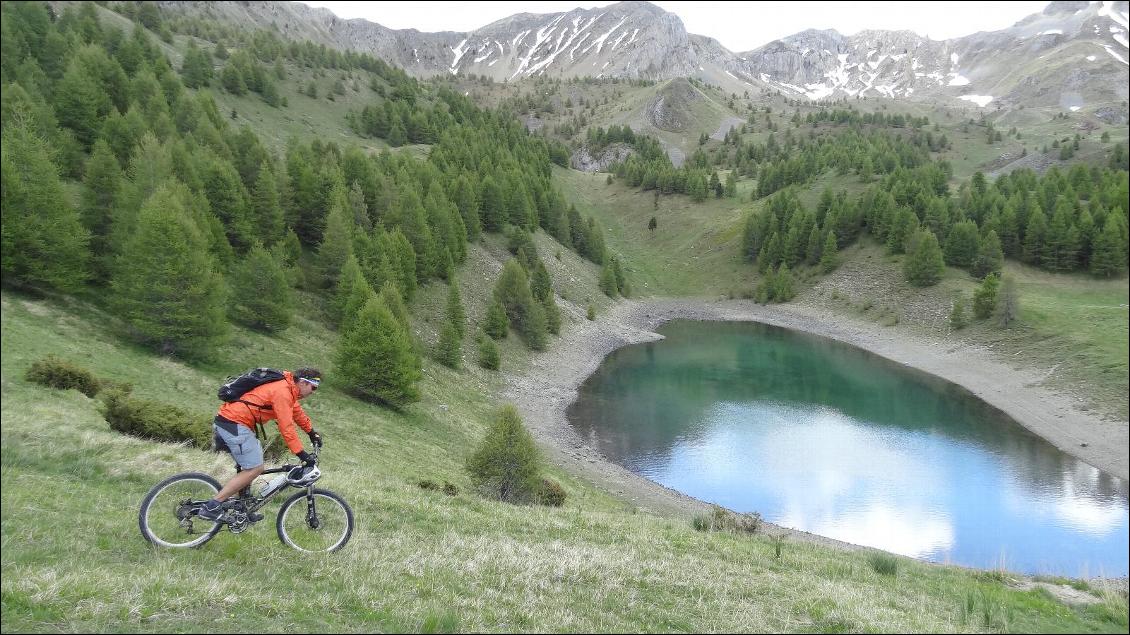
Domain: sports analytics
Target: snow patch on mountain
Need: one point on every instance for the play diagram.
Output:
(1118, 16)
(1115, 55)
(958, 80)
(599, 42)
(458, 51)
(980, 100)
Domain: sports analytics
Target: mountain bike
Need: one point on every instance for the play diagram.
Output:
(311, 520)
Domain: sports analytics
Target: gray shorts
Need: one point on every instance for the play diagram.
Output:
(244, 445)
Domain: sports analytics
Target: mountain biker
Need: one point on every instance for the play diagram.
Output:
(234, 430)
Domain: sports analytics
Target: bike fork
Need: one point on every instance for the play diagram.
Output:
(311, 512)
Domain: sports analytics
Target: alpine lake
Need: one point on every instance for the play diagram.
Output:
(823, 437)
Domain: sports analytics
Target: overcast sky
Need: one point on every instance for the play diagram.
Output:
(739, 26)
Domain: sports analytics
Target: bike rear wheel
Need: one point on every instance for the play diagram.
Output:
(168, 512)
(317, 520)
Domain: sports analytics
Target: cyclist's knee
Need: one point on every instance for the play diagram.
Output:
(258, 469)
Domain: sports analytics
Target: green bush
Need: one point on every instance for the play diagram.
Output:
(489, 357)
(450, 489)
(428, 484)
(551, 493)
(154, 420)
(56, 373)
(505, 465)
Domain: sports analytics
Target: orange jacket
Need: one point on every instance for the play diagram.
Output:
(278, 400)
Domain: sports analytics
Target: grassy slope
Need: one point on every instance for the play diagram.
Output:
(419, 560)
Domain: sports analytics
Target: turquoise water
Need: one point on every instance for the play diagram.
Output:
(830, 439)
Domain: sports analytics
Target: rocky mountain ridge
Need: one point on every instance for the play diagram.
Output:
(1072, 55)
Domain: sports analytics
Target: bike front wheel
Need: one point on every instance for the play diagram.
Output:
(315, 520)
(168, 512)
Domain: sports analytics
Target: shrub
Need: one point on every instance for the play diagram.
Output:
(958, 318)
(428, 484)
(154, 420)
(450, 489)
(489, 357)
(56, 373)
(884, 563)
(551, 493)
(505, 465)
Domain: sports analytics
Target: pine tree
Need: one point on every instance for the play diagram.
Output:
(350, 273)
(505, 465)
(337, 240)
(81, 103)
(496, 324)
(770, 254)
(608, 281)
(164, 282)
(197, 67)
(962, 244)
(902, 230)
(621, 280)
(552, 314)
(261, 296)
(403, 258)
(1034, 236)
(540, 285)
(232, 80)
(266, 211)
(814, 252)
(466, 199)
(990, 257)
(783, 285)
(513, 291)
(229, 201)
(1108, 257)
(43, 238)
(391, 297)
(924, 264)
(985, 297)
(102, 191)
(958, 318)
(449, 348)
(376, 359)
(493, 207)
(829, 259)
(489, 357)
(359, 295)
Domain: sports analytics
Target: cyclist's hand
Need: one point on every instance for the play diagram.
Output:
(315, 438)
(308, 459)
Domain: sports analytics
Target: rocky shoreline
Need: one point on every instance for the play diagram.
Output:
(544, 391)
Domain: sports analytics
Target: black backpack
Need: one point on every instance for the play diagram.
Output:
(236, 387)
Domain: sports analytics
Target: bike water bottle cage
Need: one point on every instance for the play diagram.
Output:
(303, 476)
